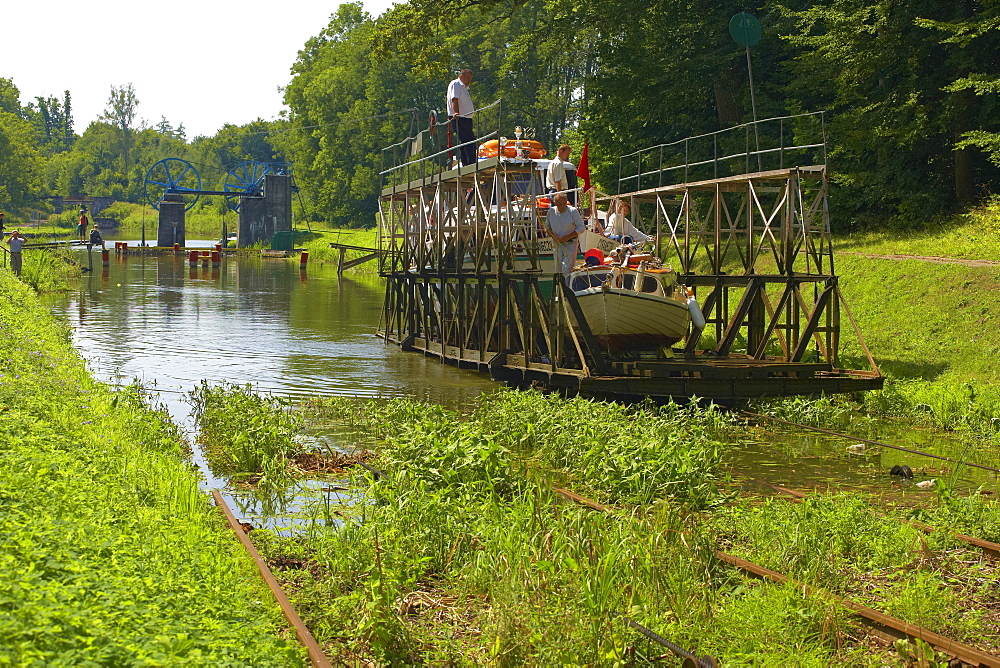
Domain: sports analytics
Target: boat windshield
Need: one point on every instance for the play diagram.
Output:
(591, 279)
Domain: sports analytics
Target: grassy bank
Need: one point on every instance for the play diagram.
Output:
(110, 553)
(933, 327)
(465, 555)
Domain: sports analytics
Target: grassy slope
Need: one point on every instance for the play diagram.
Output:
(928, 320)
(109, 552)
(974, 235)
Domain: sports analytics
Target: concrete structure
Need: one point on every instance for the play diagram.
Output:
(261, 217)
(171, 225)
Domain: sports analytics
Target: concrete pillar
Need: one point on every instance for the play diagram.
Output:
(252, 221)
(278, 194)
(261, 217)
(171, 226)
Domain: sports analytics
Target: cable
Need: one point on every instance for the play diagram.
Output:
(870, 442)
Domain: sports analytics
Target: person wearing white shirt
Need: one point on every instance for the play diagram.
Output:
(555, 176)
(16, 243)
(564, 224)
(460, 111)
(619, 226)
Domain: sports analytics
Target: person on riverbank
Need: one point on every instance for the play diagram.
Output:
(96, 238)
(460, 111)
(564, 224)
(81, 227)
(16, 243)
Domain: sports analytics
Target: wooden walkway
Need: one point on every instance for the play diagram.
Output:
(342, 263)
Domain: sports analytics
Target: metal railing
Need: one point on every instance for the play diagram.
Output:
(434, 149)
(769, 144)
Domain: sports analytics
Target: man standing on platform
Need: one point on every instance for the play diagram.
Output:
(460, 111)
(555, 176)
(81, 226)
(564, 224)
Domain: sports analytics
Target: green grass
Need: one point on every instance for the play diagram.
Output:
(111, 555)
(464, 554)
(974, 235)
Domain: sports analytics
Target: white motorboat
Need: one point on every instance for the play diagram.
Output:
(631, 302)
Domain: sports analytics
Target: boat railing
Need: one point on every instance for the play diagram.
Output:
(768, 144)
(435, 148)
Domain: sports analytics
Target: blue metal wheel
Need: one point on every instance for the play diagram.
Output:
(246, 179)
(172, 176)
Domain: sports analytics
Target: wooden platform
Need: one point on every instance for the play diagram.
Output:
(731, 379)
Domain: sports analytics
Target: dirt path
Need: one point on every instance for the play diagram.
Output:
(927, 258)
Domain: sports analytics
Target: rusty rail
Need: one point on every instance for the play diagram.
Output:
(993, 549)
(316, 656)
(884, 624)
(880, 621)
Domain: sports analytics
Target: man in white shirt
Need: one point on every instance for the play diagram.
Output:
(460, 111)
(564, 224)
(555, 177)
(16, 243)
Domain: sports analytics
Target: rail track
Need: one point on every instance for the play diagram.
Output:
(884, 626)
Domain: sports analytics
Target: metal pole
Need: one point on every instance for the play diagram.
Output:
(753, 100)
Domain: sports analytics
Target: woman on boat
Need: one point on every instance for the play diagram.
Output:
(619, 226)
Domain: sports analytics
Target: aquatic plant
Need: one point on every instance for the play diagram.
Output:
(244, 433)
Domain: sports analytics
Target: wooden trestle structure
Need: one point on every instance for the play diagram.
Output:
(466, 281)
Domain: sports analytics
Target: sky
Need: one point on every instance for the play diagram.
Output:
(202, 64)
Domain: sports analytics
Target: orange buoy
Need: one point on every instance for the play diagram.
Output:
(489, 149)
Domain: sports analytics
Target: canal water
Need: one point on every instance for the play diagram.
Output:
(294, 334)
(253, 320)
(257, 321)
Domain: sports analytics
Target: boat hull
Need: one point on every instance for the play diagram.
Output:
(624, 320)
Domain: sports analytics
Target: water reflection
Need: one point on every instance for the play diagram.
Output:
(252, 320)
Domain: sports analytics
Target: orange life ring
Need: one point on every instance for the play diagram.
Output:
(543, 202)
(489, 149)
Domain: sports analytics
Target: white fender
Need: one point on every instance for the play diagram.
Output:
(697, 317)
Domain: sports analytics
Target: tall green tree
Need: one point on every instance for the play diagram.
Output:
(121, 113)
(345, 105)
(885, 75)
(21, 163)
(53, 120)
(973, 41)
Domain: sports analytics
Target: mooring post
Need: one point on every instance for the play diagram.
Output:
(340, 262)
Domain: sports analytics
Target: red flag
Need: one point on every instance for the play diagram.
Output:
(583, 169)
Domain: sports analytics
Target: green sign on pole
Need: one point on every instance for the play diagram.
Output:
(745, 29)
